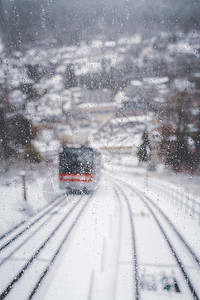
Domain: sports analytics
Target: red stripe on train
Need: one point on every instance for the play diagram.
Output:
(75, 177)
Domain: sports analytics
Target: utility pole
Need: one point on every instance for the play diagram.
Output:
(23, 174)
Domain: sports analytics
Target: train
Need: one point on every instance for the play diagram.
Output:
(79, 169)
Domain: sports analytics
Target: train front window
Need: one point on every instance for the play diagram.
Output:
(76, 160)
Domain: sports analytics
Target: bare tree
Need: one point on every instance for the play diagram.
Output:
(179, 145)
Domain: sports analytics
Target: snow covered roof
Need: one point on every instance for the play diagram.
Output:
(54, 83)
(159, 99)
(97, 105)
(182, 84)
(140, 119)
(121, 97)
(123, 41)
(136, 83)
(96, 44)
(17, 96)
(136, 39)
(182, 47)
(156, 80)
(51, 98)
(1, 47)
(110, 44)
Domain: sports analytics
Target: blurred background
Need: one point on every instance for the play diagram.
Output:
(122, 76)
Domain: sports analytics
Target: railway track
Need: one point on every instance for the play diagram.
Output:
(42, 211)
(139, 254)
(17, 232)
(35, 247)
(134, 248)
(173, 239)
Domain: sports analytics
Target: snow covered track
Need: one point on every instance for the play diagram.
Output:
(135, 271)
(184, 243)
(57, 251)
(28, 241)
(122, 242)
(42, 211)
(12, 229)
(186, 260)
(177, 257)
(20, 244)
(28, 224)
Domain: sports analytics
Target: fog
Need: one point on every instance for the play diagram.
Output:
(27, 22)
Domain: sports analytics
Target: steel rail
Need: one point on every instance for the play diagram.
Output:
(185, 244)
(119, 241)
(27, 239)
(30, 261)
(196, 259)
(47, 269)
(178, 260)
(136, 275)
(30, 225)
(25, 221)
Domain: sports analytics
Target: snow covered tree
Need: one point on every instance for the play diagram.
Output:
(20, 130)
(5, 109)
(32, 154)
(144, 152)
(70, 79)
(16, 130)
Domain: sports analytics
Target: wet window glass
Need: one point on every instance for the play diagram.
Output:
(99, 149)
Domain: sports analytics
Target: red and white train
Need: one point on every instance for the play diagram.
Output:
(78, 168)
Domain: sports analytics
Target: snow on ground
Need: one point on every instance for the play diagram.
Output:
(41, 189)
(188, 183)
(92, 254)
(97, 260)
